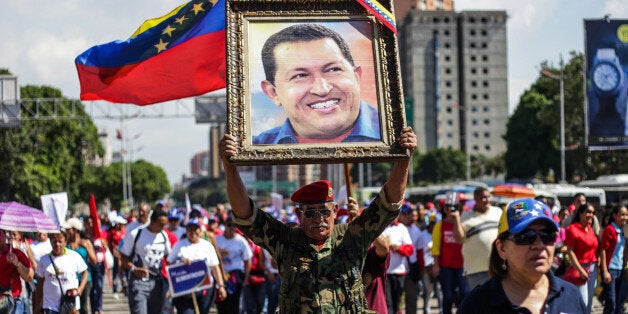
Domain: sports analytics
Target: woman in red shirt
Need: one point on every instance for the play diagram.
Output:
(582, 244)
(14, 264)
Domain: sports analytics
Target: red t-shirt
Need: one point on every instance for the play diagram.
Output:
(9, 276)
(374, 273)
(583, 243)
(450, 250)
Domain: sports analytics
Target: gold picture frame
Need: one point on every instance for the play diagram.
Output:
(330, 99)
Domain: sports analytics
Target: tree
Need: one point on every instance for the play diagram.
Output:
(149, 182)
(45, 156)
(441, 165)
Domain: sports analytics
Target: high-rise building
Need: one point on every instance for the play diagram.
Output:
(402, 7)
(455, 78)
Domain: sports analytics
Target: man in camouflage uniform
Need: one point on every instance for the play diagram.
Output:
(320, 263)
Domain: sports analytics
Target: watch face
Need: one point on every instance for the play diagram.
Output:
(606, 76)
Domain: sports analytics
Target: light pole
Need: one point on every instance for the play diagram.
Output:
(561, 78)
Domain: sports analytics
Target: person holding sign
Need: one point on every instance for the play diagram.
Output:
(320, 263)
(193, 248)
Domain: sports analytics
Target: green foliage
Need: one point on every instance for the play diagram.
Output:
(533, 136)
(441, 165)
(45, 156)
(149, 182)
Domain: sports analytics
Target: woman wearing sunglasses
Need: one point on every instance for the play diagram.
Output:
(582, 245)
(519, 267)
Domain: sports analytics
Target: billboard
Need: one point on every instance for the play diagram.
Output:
(606, 53)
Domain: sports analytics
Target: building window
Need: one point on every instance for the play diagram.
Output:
(448, 83)
(474, 70)
(474, 122)
(485, 58)
(485, 108)
(474, 109)
(446, 32)
(472, 45)
(447, 71)
(485, 96)
(484, 20)
(475, 147)
(475, 134)
(485, 83)
(447, 45)
(448, 109)
(474, 96)
(487, 135)
(448, 96)
(484, 32)
(450, 122)
(473, 58)
(487, 147)
(474, 83)
(487, 121)
(449, 135)
(485, 70)
(447, 58)
(436, 20)
(484, 45)
(471, 19)
(446, 19)
(472, 32)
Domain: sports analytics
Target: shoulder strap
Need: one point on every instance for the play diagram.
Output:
(137, 237)
(481, 227)
(56, 274)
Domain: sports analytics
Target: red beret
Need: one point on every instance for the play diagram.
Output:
(313, 193)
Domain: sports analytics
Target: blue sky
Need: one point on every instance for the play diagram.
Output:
(41, 39)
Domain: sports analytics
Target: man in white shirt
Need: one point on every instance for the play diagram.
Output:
(400, 245)
(142, 218)
(408, 217)
(236, 260)
(142, 253)
(476, 230)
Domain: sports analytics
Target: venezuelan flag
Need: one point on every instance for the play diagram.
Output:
(180, 54)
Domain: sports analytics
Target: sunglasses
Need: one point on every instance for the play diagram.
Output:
(527, 237)
(311, 213)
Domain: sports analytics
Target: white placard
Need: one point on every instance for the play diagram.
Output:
(55, 206)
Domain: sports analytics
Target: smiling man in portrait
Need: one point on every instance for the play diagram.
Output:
(311, 74)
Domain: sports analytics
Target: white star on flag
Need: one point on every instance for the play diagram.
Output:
(534, 213)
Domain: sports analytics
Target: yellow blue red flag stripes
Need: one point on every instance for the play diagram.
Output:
(381, 13)
(180, 54)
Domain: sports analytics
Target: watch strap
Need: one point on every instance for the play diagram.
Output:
(605, 54)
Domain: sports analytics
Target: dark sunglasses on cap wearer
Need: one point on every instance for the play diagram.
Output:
(528, 236)
(311, 213)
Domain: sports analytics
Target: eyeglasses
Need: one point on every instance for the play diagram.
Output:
(527, 237)
(311, 213)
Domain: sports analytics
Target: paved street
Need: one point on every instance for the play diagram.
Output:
(120, 306)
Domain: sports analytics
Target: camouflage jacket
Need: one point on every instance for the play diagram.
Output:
(325, 280)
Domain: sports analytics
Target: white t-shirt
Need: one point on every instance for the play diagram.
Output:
(69, 265)
(40, 249)
(398, 235)
(134, 225)
(179, 232)
(234, 252)
(149, 250)
(201, 250)
(415, 233)
(425, 243)
(477, 248)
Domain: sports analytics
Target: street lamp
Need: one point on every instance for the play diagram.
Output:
(561, 78)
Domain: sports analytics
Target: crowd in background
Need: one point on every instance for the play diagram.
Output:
(433, 250)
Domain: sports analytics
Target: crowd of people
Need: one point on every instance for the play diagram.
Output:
(319, 256)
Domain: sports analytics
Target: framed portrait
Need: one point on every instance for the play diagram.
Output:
(312, 82)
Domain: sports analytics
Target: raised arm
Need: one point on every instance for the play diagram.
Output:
(398, 178)
(236, 190)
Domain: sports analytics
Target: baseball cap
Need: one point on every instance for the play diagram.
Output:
(314, 193)
(174, 214)
(73, 223)
(522, 212)
(429, 205)
(194, 222)
(405, 207)
(119, 220)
